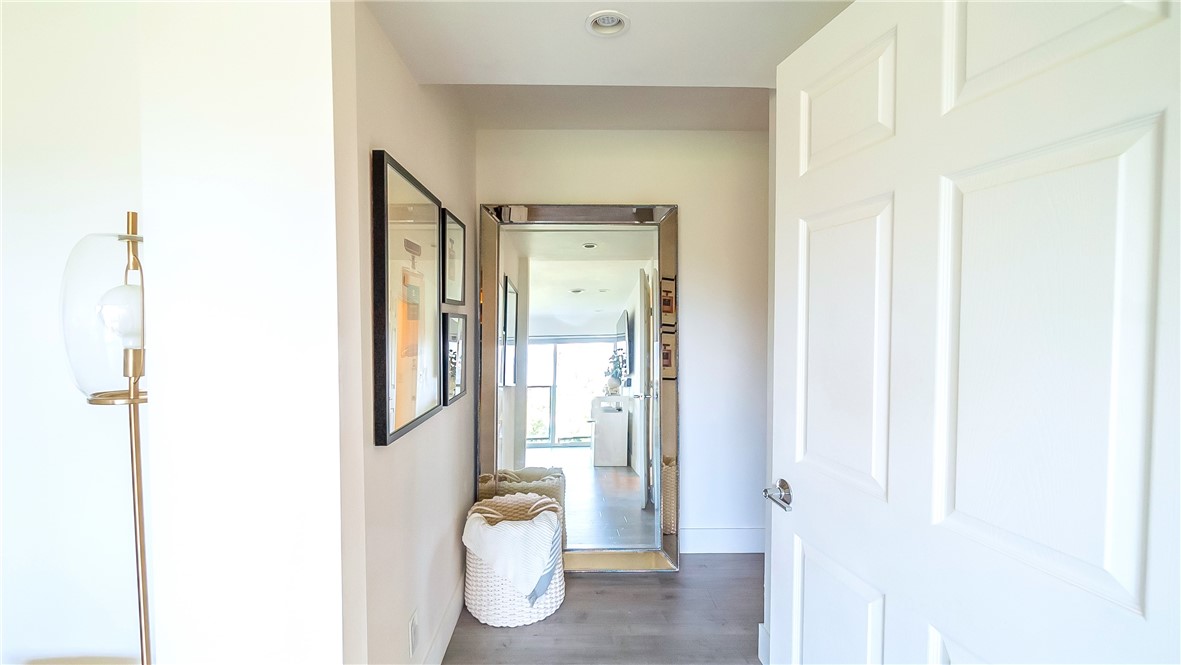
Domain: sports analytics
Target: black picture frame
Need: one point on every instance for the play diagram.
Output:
(668, 356)
(668, 302)
(454, 260)
(455, 332)
(406, 241)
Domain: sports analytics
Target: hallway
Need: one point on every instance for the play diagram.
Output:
(707, 613)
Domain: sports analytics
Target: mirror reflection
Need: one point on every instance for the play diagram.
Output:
(583, 356)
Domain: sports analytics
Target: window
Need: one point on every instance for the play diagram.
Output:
(564, 376)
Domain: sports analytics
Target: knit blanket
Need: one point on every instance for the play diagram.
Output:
(523, 549)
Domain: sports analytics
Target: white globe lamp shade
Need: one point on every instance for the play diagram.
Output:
(102, 313)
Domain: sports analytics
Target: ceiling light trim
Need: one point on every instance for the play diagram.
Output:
(607, 23)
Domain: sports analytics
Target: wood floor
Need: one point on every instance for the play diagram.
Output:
(604, 504)
(707, 613)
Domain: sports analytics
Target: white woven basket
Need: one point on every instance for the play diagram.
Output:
(668, 495)
(490, 598)
(545, 481)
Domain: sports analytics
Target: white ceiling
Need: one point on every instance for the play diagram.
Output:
(607, 275)
(537, 43)
(621, 243)
(607, 287)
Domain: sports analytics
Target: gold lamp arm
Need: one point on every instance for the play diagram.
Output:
(133, 369)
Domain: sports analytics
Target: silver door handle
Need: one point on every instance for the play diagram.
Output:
(779, 495)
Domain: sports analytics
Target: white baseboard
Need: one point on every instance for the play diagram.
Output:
(442, 638)
(721, 541)
(764, 644)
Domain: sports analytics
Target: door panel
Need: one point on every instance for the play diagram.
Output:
(990, 45)
(849, 108)
(845, 302)
(835, 603)
(976, 305)
(1070, 368)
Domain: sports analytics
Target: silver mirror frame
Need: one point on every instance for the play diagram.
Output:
(664, 478)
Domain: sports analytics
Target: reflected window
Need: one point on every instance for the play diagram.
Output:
(539, 416)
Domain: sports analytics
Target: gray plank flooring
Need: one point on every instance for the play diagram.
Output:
(604, 504)
(707, 613)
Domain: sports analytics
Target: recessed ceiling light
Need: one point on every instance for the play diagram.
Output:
(607, 23)
(590, 245)
(604, 290)
(577, 290)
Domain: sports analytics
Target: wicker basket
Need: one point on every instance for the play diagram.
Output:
(668, 495)
(490, 598)
(541, 480)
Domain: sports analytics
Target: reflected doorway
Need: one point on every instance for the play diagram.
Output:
(608, 502)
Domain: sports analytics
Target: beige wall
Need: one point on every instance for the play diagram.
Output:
(417, 490)
(719, 179)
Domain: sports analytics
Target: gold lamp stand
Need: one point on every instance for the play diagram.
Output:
(133, 370)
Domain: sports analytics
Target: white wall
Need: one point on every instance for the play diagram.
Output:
(349, 232)
(221, 115)
(719, 179)
(417, 490)
(253, 124)
(70, 167)
(239, 213)
(513, 399)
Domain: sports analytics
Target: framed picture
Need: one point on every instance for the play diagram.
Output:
(455, 344)
(454, 244)
(509, 334)
(668, 356)
(407, 362)
(668, 302)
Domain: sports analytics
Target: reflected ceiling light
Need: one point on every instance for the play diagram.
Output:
(590, 245)
(604, 290)
(577, 290)
(607, 23)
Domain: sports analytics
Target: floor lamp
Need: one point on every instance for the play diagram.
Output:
(103, 324)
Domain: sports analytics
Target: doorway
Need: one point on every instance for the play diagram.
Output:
(570, 326)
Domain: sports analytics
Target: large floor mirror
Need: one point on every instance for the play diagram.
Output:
(578, 373)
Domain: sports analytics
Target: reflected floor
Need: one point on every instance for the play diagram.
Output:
(604, 504)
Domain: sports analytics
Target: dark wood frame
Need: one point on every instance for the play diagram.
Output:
(380, 254)
(448, 400)
(449, 217)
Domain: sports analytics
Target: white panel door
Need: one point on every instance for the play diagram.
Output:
(976, 336)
